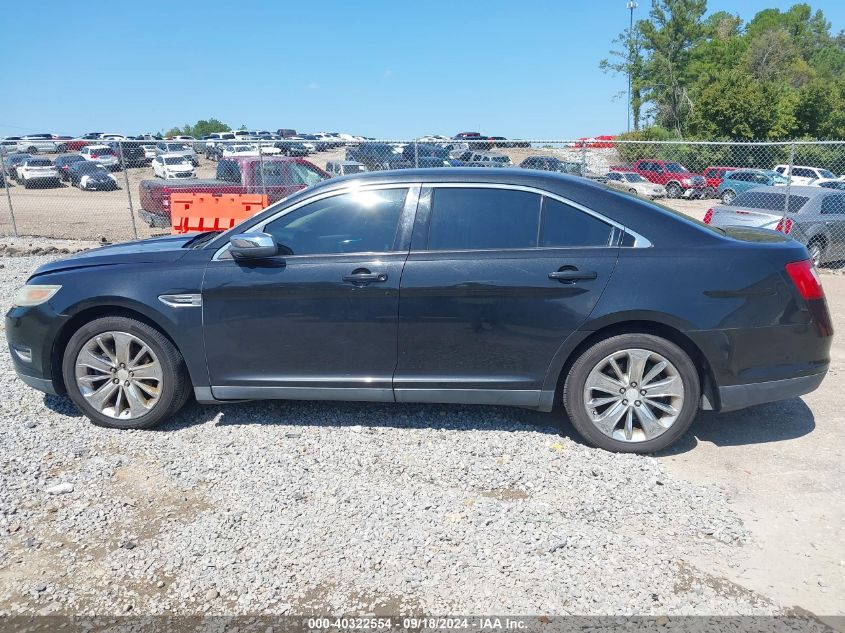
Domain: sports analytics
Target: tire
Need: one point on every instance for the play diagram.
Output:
(171, 387)
(32, 150)
(633, 191)
(61, 149)
(666, 429)
(728, 196)
(26, 184)
(816, 248)
(673, 190)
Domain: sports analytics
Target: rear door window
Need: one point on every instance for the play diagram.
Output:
(229, 171)
(483, 218)
(565, 226)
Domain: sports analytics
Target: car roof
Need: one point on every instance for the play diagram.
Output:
(97, 147)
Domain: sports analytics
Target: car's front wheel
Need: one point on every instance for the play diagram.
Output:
(632, 393)
(673, 190)
(728, 196)
(124, 374)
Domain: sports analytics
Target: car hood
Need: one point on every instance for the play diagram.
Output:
(158, 249)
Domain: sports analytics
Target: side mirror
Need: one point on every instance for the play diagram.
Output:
(252, 246)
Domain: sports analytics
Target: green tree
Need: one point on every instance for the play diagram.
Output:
(626, 59)
(201, 128)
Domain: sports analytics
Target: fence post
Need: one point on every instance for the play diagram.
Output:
(128, 190)
(583, 159)
(416, 154)
(6, 187)
(261, 173)
(788, 179)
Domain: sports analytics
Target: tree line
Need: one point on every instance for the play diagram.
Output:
(779, 76)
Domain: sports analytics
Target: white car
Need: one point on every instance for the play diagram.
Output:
(170, 166)
(182, 137)
(109, 136)
(34, 143)
(634, 183)
(216, 137)
(149, 150)
(101, 154)
(38, 172)
(234, 151)
(804, 174)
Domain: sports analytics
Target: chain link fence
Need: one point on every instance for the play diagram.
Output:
(120, 190)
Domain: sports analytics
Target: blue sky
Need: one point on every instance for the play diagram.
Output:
(389, 69)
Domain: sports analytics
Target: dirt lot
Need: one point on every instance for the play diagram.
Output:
(68, 212)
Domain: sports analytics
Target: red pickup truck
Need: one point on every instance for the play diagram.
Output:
(714, 176)
(678, 180)
(276, 176)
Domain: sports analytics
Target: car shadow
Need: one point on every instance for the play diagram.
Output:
(774, 422)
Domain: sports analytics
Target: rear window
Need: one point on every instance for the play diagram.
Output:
(299, 174)
(833, 205)
(564, 226)
(769, 201)
(229, 171)
(40, 162)
(104, 151)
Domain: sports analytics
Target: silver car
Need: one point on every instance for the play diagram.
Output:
(181, 148)
(34, 143)
(633, 183)
(816, 216)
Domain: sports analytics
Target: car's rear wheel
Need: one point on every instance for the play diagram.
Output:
(673, 190)
(61, 149)
(728, 196)
(632, 393)
(124, 374)
(632, 191)
(32, 149)
(709, 192)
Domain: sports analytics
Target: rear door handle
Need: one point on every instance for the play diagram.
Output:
(365, 277)
(570, 273)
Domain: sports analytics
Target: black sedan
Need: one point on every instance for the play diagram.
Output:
(91, 176)
(63, 164)
(507, 286)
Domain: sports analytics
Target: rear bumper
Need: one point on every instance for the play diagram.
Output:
(740, 396)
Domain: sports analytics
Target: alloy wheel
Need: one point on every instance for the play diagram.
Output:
(119, 375)
(634, 395)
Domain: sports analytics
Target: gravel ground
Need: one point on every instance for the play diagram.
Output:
(298, 508)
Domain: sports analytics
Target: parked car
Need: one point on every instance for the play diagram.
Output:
(243, 149)
(635, 184)
(169, 147)
(91, 176)
(34, 143)
(173, 166)
(551, 163)
(804, 174)
(344, 167)
(102, 155)
(291, 148)
(64, 162)
(374, 155)
(457, 322)
(476, 140)
(741, 180)
(678, 180)
(714, 175)
(834, 184)
(11, 162)
(129, 153)
(480, 159)
(815, 218)
(38, 172)
(275, 176)
(149, 151)
(414, 152)
(285, 133)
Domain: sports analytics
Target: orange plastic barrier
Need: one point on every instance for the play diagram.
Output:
(212, 212)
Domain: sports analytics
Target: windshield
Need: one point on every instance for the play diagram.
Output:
(676, 168)
(176, 147)
(354, 169)
(769, 201)
(501, 159)
(633, 177)
(303, 175)
(102, 151)
(826, 174)
(174, 160)
(89, 167)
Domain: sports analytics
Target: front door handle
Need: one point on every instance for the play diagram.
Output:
(571, 273)
(362, 276)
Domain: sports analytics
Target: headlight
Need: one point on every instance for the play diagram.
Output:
(34, 294)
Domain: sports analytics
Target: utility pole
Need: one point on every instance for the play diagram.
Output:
(630, 6)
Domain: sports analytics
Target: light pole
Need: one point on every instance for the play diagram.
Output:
(630, 6)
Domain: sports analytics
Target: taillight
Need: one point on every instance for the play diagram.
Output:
(708, 217)
(784, 226)
(93, 156)
(806, 279)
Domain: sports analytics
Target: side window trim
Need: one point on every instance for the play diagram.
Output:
(420, 237)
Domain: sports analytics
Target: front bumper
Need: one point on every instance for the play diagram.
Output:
(30, 333)
(740, 396)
